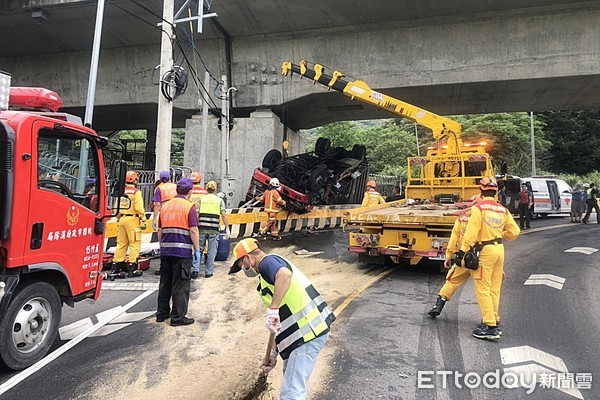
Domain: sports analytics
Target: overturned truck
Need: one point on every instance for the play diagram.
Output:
(327, 175)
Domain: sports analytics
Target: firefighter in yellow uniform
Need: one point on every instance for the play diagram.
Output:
(457, 275)
(273, 203)
(197, 190)
(372, 197)
(132, 221)
(488, 225)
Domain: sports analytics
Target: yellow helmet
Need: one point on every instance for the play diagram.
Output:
(212, 185)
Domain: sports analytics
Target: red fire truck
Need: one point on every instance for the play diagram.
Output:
(53, 204)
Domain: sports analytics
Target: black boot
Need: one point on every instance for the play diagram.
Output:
(119, 266)
(439, 306)
(132, 270)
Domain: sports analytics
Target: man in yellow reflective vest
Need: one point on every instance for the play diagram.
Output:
(211, 208)
(488, 225)
(273, 204)
(132, 221)
(372, 197)
(297, 315)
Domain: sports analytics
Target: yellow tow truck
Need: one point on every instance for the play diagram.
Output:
(439, 184)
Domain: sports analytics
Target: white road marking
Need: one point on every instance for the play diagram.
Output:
(132, 286)
(584, 250)
(538, 362)
(101, 316)
(546, 279)
(132, 317)
(70, 331)
(108, 329)
(21, 376)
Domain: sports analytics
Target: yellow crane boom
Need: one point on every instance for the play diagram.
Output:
(442, 128)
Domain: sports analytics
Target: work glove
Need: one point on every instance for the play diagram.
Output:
(196, 259)
(458, 257)
(272, 321)
(227, 233)
(154, 225)
(269, 363)
(143, 225)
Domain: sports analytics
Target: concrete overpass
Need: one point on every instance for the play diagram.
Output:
(453, 57)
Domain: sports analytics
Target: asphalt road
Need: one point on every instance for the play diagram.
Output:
(385, 337)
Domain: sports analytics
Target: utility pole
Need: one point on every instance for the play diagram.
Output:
(91, 95)
(164, 123)
(224, 128)
(533, 169)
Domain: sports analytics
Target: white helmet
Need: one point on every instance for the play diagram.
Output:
(274, 182)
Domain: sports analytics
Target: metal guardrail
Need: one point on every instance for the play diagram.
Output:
(386, 183)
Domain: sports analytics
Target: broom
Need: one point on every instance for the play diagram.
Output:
(260, 385)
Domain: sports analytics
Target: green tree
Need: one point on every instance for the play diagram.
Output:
(575, 137)
(508, 138)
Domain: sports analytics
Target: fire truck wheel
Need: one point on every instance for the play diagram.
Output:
(29, 326)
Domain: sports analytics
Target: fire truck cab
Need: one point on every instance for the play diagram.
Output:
(53, 203)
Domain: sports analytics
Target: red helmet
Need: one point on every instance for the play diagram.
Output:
(488, 183)
(131, 177)
(196, 177)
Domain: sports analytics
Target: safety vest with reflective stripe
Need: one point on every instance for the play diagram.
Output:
(168, 190)
(132, 203)
(175, 237)
(456, 237)
(303, 312)
(209, 213)
(272, 200)
(372, 198)
(197, 192)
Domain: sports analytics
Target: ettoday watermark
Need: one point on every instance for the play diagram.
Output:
(502, 379)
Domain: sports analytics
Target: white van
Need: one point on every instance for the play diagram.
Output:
(550, 195)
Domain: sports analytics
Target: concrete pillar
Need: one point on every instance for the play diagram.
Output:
(251, 138)
(202, 152)
(150, 156)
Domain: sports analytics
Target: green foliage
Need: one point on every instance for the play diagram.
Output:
(575, 137)
(509, 139)
(388, 144)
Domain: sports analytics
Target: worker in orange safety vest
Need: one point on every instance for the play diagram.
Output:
(488, 225)
(372, 197)
(197, 190)
(273, 204)
(132, 221)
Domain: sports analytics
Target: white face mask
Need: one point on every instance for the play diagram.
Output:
(250, 272)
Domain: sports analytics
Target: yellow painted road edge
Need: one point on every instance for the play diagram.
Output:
(339, 309)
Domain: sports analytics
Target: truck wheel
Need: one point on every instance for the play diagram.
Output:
(358, 152)
(318, 178)
(29, 326)
(271, 159)
(322, 146)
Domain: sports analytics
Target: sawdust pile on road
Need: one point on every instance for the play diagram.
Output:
(218, 356)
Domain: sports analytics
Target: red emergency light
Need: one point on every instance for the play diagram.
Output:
(34, 98)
